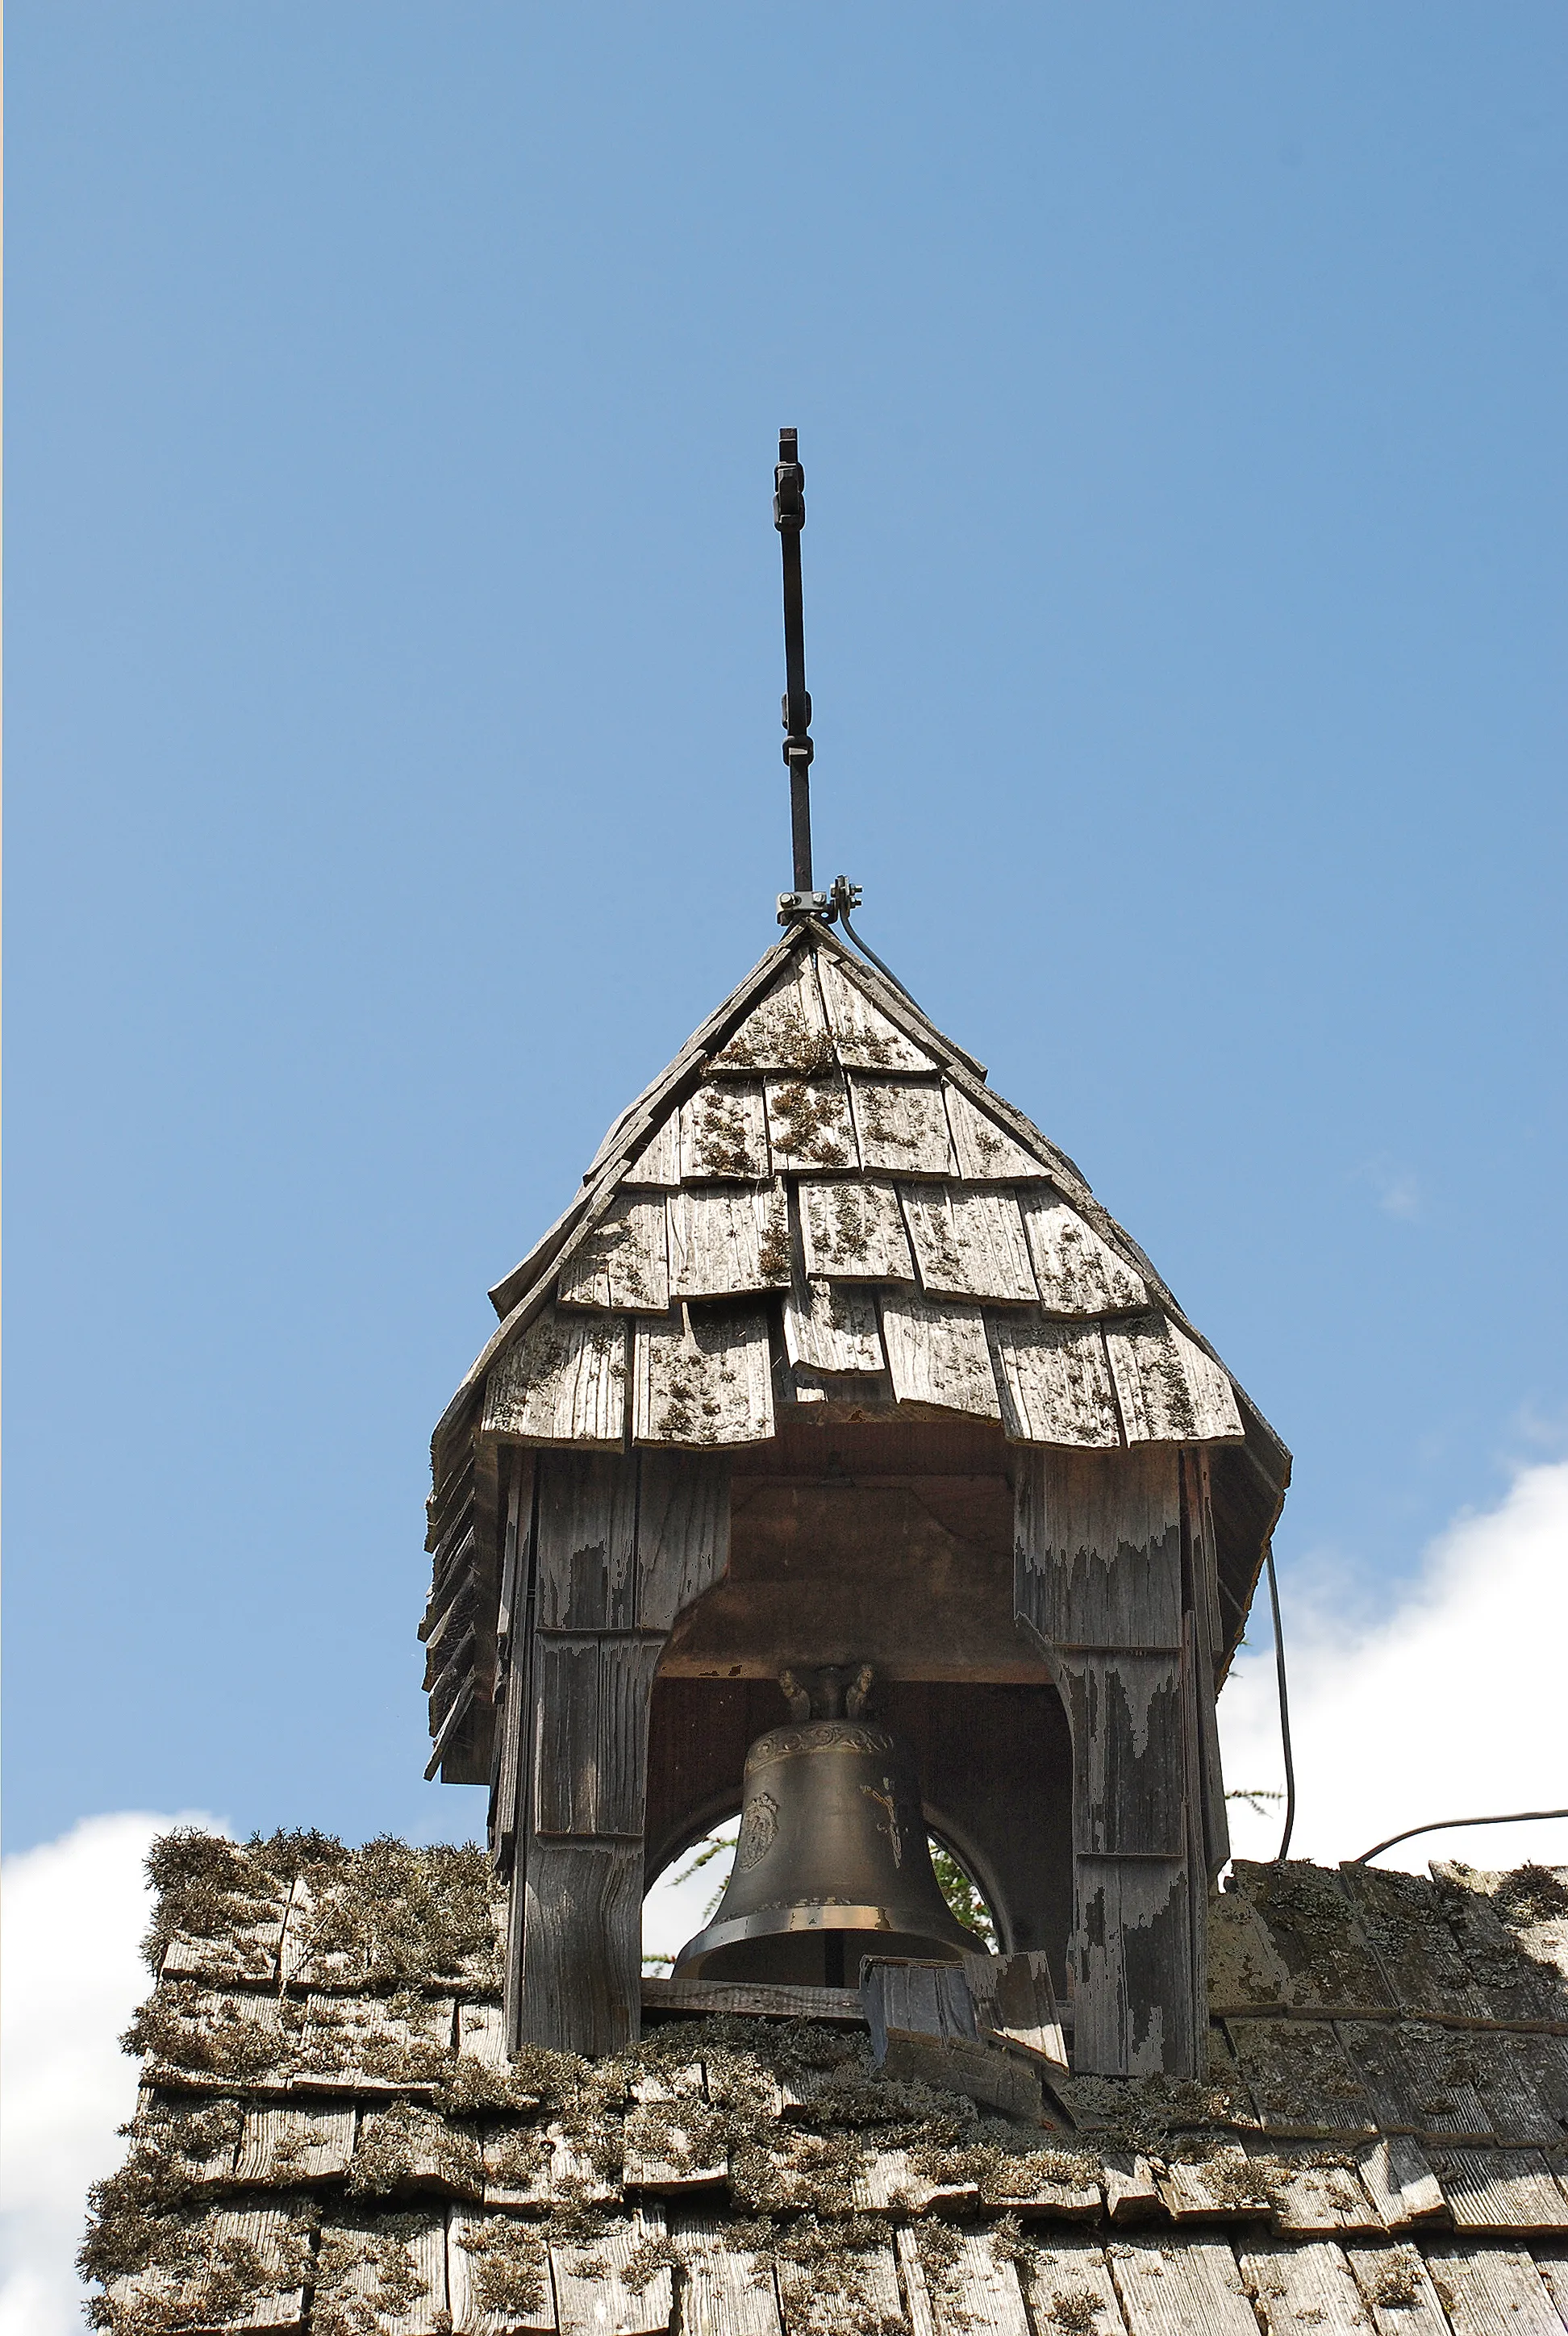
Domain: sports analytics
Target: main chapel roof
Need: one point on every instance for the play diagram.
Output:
(331, 2139)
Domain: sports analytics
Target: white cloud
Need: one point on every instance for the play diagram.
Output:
(1399, 1190)
(75, 1910)
(1449, 1705)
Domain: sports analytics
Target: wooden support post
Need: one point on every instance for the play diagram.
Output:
(603, 1552)
(1113, 1578)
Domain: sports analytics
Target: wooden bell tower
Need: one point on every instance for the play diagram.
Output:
(834, 1359)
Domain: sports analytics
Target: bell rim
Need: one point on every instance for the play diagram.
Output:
(797, 1922)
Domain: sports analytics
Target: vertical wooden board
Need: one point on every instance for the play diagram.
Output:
(1179, 2289)
(728, 1240)
(1492, 2291)
(967, 2288)
(1053, 1381)
(658, 1161)
(1168, 1390)
(1133, 2006)
(938, 1354)
(1501, 2191)
(566, 1736)
(1304, 2283)
(593, 2296)
(391, 2280)
(1099, 1549)
(866, 1040)
(832, 1325)
(706, 1380)
(1067, 2284)
(724, 1133)
(587, 1542)
(498, 2254)
(512, 1722)
(855, 2290)
(1397, 2291)
(969, 1241)
(809, 1124)
(902, 1127)
(626, 1670)
(722, 2293)
(293, 2144)
(563, 1382)
(682, 1532)
(1125, 1714)
(517, 1546)
(1202, 1592)
(1077, 1271)
(786, 1031)
(583, 1946)
(1013, 1998)
(623, 1261)
(981, 1149)
(853, 1230)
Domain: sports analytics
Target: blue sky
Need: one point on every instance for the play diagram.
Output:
(394, 777)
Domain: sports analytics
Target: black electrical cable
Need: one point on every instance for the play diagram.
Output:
(885, 970)
(1284, 1708)
(1442, 1824)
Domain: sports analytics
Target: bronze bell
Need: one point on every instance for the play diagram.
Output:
(831, 1862)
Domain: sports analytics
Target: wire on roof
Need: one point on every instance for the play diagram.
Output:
(846, 896)
(1284, 1708)
(1443, 1824)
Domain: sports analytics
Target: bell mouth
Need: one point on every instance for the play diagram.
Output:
(812, 1945)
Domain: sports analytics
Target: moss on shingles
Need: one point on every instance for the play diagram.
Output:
(402, 1916)
(194, 2269)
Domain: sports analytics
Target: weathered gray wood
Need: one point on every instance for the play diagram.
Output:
(1099, 1549)
(969, 2291)
(1417, 2079)
(905, 1997)
(902, 1125)
(564, 1382)
(1173, 2291)
(1078, 1272)
(1400, 2181)
(591, 2293)
(982, 1150)
(155, 2296)
(1301, 2079)
(683, 1533)
(1501, 2191)
(1552, 2265)
(787, 1031)
(1053, 1381)
(658, 1161)
(1397, 2289)
(1132, 2193)
(704, 1379)
(724, 1133)
(1202, 1592)
(566, 1736)
(1133, 2008)
(623, 1263)
(1068, 2285)
(1492, 2291)
(1321, 2202)
(722, 2293)
(408, 2263)
(832, 1325)
(1014, 2000)
(866, 1040)
(853, 2290)
(938, 1354)
(1126, 1712)
(582, 1945)
(1168, 1390)
(727, 1241)
(516, 2246)
(969, 1241)
(587, 1542)
(853, 1231)
(626, 1670)
(307, 2144)
(1304, 2281)
(809, 1124)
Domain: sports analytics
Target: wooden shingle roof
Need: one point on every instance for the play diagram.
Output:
(331, 2139)
(820, 1205)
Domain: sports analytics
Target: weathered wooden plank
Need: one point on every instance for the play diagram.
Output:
(1320, 2201)
(498, 2255)
(1078, 1271)
(1126, 1713)
(938, 1354)
(838, 2007)
(587, 1542)
(957, 2284)
(969, 1241)
(1133, 1984)
(1202, 1592)
(787, 1030)
(1553, 2266)
(1312, 1930)
(982, 1149)
(564, 1382)
(809, 1124)
(1397, 2289)
(626, 1670)
(598, 2288)
(481, 2034)
(566, 1736)
(901, 1125)
(1301, 2079)
(1491, 2291)
(1515, 1984)
(284, 2144)
(1132, 2193)
(174, 2298)
(682, 1532)
(1304, 2283)
(1013, 1998)
(1400, 2181)
(388, 2282)
(866, 1040)
(853, 1231)
(704, 1380)
(1227, 2186)
(1168, 1390)
(724, 1133)
(1418, 2080)
(1068, 2285)
(658, 1161)
(903, 1997)
(1054, 1380)
(852, 2288)
(623, 1262)
(1501, 2191)
(1175, 2290)
(722, 2293)
(725, 1240)
(1099, 1549)
(583, 1946)
(832, 1325)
